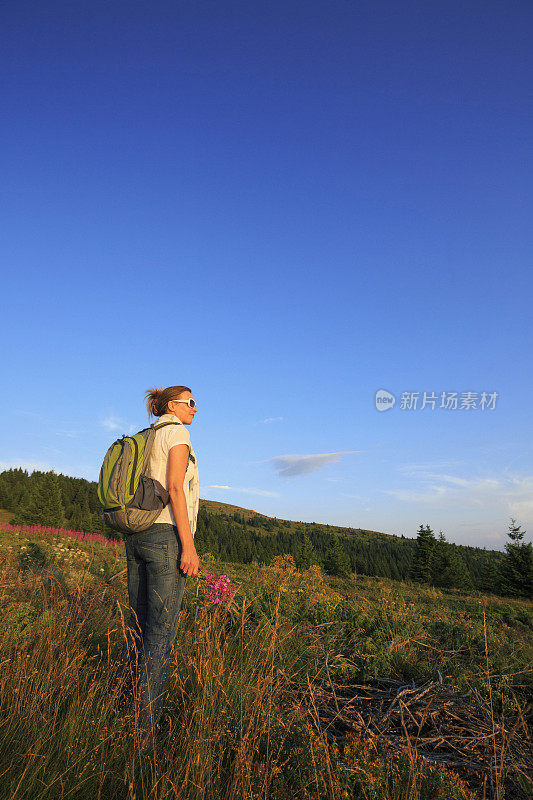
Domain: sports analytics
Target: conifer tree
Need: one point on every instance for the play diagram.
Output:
(77, 520)
(22, 502)
(99, 526)
(489, 579)
(456, 573)
(447, 566)
(7, 496)
(517, 569)
(336, 561)
(45, 506)
(439, 561)
(425, 544)
(305, 554)
(86, 515)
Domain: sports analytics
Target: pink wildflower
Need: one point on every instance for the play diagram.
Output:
(218, 589)
(42, 530)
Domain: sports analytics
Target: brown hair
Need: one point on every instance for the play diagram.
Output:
(157, 400)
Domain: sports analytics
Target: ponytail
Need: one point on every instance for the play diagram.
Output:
(157, 400)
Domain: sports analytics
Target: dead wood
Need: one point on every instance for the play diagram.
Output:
(436, 722)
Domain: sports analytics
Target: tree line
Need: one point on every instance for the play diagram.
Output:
(439, 563)
(54, 500)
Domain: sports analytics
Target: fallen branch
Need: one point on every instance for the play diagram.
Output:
(433, 721)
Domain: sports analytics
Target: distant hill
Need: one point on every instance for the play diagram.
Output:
(242, 535)
(217, 507)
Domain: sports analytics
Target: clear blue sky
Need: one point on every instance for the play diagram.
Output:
(286, 206)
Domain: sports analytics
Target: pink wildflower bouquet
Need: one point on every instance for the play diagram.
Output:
(219, 590)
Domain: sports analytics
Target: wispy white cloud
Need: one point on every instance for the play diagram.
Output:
(432, 494)
(290, 465)
(507, 495)
(272, 419)
(112, 423)
(429, 467)
(261, 492)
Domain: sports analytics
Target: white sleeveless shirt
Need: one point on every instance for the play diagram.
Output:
(165, 438)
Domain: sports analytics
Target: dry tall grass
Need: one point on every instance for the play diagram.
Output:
(60, 737)
(231, 727)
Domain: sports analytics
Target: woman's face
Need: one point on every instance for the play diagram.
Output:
(182, 410)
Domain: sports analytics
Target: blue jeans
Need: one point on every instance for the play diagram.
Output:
(155, 589)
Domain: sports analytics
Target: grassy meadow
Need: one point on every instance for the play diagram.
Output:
(240, 718)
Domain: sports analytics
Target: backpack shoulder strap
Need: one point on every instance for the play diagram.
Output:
(162, 425)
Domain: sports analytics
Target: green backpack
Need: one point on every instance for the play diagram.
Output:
(132, 500)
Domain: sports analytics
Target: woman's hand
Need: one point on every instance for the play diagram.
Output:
(190, 563)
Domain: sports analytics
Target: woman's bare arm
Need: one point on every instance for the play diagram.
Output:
(177, 466)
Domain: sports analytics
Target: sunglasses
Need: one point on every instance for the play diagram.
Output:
(190, 402)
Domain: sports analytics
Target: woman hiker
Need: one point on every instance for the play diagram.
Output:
(159, 560)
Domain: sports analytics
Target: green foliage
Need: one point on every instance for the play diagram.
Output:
(240, 536)
(516, 576)
(447, 566)
(425, 545)
(233, 678)
(75, 505)
(19, 620)
(337, 561)
(375, 773)
(45, 504)
(489, 578)
(31, 556)
(305, 554)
